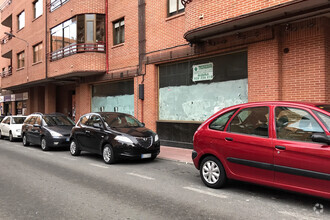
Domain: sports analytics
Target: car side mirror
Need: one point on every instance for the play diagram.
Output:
(143, 124)
(97, 125)
(321, 138)
(36, 125)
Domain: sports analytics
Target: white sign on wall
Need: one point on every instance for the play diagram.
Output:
(202, 72)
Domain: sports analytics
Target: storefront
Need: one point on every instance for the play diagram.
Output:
(113, 97)
(14, 104)
(191, 91)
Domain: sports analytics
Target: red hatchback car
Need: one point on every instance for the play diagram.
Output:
(278, 144)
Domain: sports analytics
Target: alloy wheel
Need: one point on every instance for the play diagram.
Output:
(25, 142)
(211, 172)
(108, 156)
(44, 146)
(74, 149)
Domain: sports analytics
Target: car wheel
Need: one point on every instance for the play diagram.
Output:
(25, 142)
(11, 138)
(74, 149)
(212, 172)
(44, 146)
(108, 155)
(1, 137)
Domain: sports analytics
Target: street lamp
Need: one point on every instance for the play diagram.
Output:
(27, 51)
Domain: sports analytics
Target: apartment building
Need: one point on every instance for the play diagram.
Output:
(171, 63)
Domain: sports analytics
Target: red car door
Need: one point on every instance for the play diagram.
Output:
(299, 163)
(248, 146)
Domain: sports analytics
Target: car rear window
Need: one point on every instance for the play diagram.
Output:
(220, 122)
(324, 107)
(58, 121)
(18, 120)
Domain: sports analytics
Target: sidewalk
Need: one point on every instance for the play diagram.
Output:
(176, 154)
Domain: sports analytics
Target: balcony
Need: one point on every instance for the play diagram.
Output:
(6, 73)
(77, 60)
(5, 39)
(76, 48)
(52, 6)
(5, 4)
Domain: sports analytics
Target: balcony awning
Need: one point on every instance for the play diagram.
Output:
(286, 12)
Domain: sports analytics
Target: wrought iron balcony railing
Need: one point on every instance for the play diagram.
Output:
(6, 73)
(5, 39)
(56, 4)
(5, 4)
(76, 48)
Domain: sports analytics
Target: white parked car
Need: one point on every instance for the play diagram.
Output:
(11, 127)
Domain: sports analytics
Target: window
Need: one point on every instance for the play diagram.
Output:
(251, 121)
(175, 7)
(295, 124)
(94, 119)
(21, 20)
(86, 30)
(37, 8)
(37, 53)
(324, 118)
(220, 122)
(119, 32)
(84, 120)
(20, 60)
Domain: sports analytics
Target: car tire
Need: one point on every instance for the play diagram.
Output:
(11, 138)
(212, 172)
(25, 142)
(1, 137)
(74, 149)
(108, 155)
(44, 145)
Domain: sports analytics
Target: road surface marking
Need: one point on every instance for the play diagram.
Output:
(96, 165)
(69, 158)
(141, 176)
(205, 192)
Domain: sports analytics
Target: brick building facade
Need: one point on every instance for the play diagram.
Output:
(142, 57)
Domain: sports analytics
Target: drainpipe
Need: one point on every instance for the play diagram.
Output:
(106, 37)
(46, 41)
(142, 43)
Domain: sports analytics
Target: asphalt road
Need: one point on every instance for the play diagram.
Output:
(54, 185)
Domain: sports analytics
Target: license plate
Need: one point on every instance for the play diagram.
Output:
(67, 139)
(143, 156)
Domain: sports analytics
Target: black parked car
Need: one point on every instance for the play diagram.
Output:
(114, 136)
(47, 130)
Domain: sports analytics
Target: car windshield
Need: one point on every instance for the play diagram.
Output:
(324, 107)
(121, 121)
(18, 120)
(58, 120)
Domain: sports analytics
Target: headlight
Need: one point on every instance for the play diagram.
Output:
(55, 134)
(124, 139)
(156, 138)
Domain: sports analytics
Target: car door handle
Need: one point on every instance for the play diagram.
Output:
(228, 139)
(280, 147)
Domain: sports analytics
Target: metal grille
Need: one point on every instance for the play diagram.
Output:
(145, 142)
